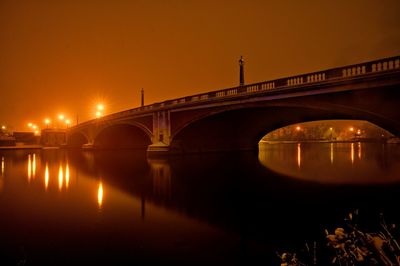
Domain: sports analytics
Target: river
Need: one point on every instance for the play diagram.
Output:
(60, 207)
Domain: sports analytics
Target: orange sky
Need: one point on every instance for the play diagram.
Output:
(61, 56)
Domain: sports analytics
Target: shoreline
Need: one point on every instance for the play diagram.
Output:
(21, 147)
(326, 141)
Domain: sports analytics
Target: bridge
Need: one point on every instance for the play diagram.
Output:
(237, 118)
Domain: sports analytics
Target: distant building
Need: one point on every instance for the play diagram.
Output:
(6, 140)
(53, 137)
(25, 138)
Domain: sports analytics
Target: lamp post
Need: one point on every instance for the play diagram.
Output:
(47, 122)
(99, 110)
(61, 118)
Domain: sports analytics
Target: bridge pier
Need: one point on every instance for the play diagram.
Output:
(161, 134)
(158, 149)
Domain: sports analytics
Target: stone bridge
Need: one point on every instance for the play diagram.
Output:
(237, 118)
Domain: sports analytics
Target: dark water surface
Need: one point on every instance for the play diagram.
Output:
(61, 207)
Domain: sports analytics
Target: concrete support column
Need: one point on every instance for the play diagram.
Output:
(91, 134)
(161, 133)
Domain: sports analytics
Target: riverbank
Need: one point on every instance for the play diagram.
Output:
(392, 140)
(19, 147)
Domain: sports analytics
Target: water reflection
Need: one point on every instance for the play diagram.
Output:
(46, 177)
(2, 174)
(2, 165)
(100, 195)
(60, 177)
(29, 167)
(161, 173)
(66, 176)
(352, 153)
(298, 155)
(342, 167)
(211, 207)
(34, 165)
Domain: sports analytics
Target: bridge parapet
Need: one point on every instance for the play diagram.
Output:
(283, 84)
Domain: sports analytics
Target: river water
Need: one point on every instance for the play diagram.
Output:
(60, 207)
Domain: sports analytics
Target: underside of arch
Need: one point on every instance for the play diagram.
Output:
(242, 129)
(122, 136)
(77, 140)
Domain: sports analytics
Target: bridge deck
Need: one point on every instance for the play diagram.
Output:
(278, 85)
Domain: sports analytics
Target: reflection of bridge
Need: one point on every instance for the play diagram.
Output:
(237, 118)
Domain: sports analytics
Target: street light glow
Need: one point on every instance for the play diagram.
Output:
(47, 121)
(30, 124)
(100, 107)
(34, 126)
(3, 127)
(298, 128)
(61, 117)
(67, 121)
(98, 114)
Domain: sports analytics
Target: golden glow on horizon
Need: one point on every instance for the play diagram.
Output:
(60, 177)
(100, 195)
(298, 155)
(46, 177)
(29, 167)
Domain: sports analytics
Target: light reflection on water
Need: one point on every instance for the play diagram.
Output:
(372, 164)
(46, 177)
(100, 195)
(208, 208)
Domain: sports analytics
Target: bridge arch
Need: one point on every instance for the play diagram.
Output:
(243, 128)
(77, 140)
(124, 135)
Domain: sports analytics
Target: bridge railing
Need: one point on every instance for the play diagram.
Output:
(350, 71)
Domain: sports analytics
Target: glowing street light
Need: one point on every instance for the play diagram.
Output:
(47, 122)
(67, 122)
(34, 126)
(30, 124)
(352, 129)
(100, 107)
(298, 128)
(98, 114)
(3, 127)
(61, 117)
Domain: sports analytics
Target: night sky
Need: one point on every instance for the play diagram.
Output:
(66, 55)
